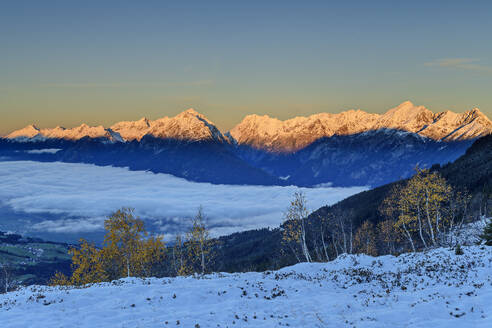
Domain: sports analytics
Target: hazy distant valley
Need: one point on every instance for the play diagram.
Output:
(67, 201)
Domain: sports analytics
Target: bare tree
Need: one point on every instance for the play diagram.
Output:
(322, 228)
(7, 277)
(199, 242)
(341, 225)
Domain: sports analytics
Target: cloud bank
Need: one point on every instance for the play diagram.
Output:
(80, 196)
(471, 64)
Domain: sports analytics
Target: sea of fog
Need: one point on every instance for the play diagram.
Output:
(66, 201)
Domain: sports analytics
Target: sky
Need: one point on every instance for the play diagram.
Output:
(99, 62)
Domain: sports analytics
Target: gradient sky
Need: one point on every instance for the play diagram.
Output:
(98, 62)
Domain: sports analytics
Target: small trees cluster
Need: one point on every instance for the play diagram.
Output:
(425, 210)
(365, 239)
(324, 235)
(127, 252)
(387, 237)
(194, 252)
(420, 213)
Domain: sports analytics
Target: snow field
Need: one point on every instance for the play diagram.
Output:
(433, 289)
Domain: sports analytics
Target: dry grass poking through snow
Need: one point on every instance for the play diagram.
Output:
(432, 289)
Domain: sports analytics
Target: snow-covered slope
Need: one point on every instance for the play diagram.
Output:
(433, 289)
(264, 132)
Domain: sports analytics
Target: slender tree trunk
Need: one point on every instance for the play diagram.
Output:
(304, 245)
(429, 223)
(344, 236)
(324, 246)
(409, 236)
(420, 228)
(465, 213)
(295, 254)
(438, 219)
(202, 258)
(351, 238)
(316, 251)
(334, 244)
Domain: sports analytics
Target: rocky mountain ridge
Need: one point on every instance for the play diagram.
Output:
(188, 125)
(273, 135)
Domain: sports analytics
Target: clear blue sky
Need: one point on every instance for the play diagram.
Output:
(68, 62)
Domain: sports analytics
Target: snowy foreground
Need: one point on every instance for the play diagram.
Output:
(432, 289)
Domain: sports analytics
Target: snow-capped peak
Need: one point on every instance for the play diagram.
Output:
(189, 111)
(188, 125)
(272, 134)
(405, 116)
(76, 133)
(29, 131)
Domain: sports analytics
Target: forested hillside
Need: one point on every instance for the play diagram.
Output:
(471, 174)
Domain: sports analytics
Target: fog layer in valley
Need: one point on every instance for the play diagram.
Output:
(63, 199)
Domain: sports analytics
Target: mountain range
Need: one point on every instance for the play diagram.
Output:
(344, 149)
(264, 132)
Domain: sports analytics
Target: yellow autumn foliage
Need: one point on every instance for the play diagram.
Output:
(126, 252)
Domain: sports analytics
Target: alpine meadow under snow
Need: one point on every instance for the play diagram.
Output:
(430, 289)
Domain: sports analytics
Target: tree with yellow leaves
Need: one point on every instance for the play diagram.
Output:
(180, 264)
(434, 194)
(393, 208)
(427, 194)
(294, 227)
(123, 242)
(421, 206)
(365, 239)
(87, 266)
(126, 252)
(388, 236)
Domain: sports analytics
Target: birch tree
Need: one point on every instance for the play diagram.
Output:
(122, 241)
(127, 252)
(341, 226)
(199, 243)
(6, 277)
(392, 209)
(294, 227)
(365, 239)
(422, 206)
